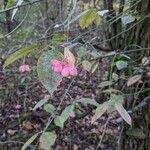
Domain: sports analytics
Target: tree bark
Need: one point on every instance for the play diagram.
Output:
(135, 35)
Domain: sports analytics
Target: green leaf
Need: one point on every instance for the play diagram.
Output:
(115, 77)
(29, 141)
(49, 108)
(86, 65)
(117, 98)
(121, 64)
(66, 111)
(46, 75)
(9, 3)
(81, 51)
(58, 38)
(88, 18)
(40, 103)
(95, 54)
(114, 99)
(101, 109)
(20, 53)
(105, 83)
(97, 19)
(60, 120)
(47, 139)
(136, 133)
(88, 101)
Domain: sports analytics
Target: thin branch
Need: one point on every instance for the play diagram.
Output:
(11, 141)
(115, 53)
(104, 131)
(23, 5)
(17, 25)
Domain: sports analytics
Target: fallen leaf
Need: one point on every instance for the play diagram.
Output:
(11, 132)
(28, 125)
(75, 147)
(134, 79)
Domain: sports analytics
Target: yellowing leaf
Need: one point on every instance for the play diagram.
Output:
(47, 139)
(133, 80)
(101, 109)
(69, 57)
(86, 65)
(28, 125)
(124, 114)
(20, 53)
(58, 38)
(88, 18)
(29, 141)
(97, 19)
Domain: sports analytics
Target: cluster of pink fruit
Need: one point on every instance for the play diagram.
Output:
(24, 68)
(63, 68)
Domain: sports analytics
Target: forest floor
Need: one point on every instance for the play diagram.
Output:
(18, 125)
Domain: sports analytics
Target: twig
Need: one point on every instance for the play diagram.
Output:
(11, 141)
(126, 52)
(17, 25)
(120, 137)
(105, 126)
(14, 7)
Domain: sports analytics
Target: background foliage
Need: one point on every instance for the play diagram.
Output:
(110, 40)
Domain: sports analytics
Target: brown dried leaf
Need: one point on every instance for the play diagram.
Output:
(99, 111)
(134, 79)
(28, 125)
(11, 132)
(145, 61)
(69, 57)
(75, 147)
(123, 113)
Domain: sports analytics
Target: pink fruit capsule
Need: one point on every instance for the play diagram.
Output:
(73, 71)
(65, 72)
